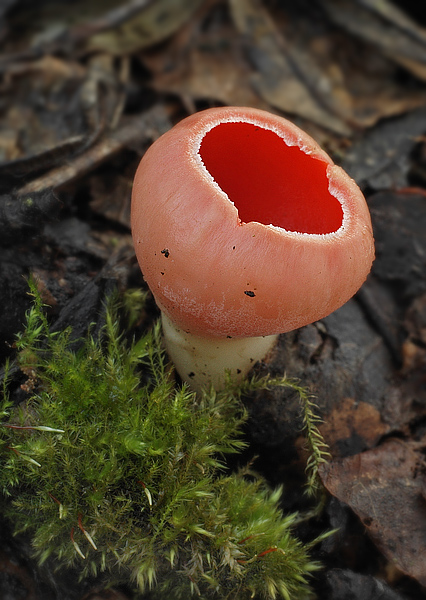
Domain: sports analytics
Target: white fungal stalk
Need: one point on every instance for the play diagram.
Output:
(202, 362)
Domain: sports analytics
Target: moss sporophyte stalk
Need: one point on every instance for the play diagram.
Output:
(110, 466)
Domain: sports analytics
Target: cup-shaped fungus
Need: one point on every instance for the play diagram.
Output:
(244, 228)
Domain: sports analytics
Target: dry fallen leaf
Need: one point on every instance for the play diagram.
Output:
(414, 347)
(112, 26)
(304, 66)
(156, 22)
(385, 488)
(111, 195)
(134, 130)
(400, 223)
(385, 26)
(40, 106)
(352, 422)
(204, 63)
(275, 78)
(382, 157)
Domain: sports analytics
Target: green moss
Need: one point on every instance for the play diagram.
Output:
(111, 466)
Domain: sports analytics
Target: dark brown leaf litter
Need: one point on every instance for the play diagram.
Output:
(385, 487)
(343, 584)
(399, 229)
(112, 27)
(86, 87)
(381, 158)
(386, 27)
(353, 358)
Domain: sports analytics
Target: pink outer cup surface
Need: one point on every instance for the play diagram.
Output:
(217, 277)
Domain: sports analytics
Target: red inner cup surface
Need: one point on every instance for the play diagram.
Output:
(268, 181)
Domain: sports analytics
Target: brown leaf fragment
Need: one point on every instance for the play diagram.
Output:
(204, 63)
(102, 93)
(59, 128)
(352, 424)
(414, 347)
(344, 584)
(48, 69)
(417, 68)
(111, 195)
(384, 313)
(415, 320)
(276, 79)
(386, 27)
(399, 224)
(340, 357)
(135, 129)
(159, 20)
(381, 158)
(49, 157)
(213, 76)
(110, 26)
(354, 80)
(384, 487)
(390, 12)
(346, 75)
(115, 17)
(41, 108)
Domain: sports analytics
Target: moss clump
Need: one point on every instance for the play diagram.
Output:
(111, 466)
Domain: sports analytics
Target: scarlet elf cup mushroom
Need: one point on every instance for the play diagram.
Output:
(244, 228)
